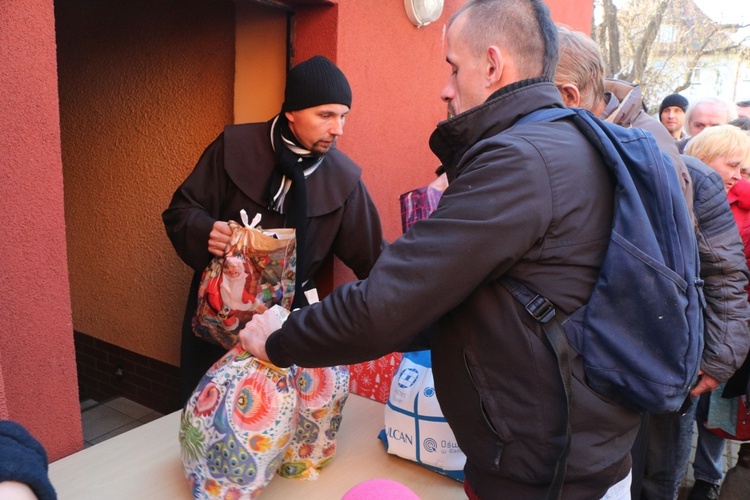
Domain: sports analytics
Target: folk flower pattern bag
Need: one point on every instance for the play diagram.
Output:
(321, 394)
(248, 419)
(236, 427)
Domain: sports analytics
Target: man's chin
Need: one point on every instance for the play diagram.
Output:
(321, 149)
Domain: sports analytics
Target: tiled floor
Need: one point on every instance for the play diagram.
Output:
(107, 419)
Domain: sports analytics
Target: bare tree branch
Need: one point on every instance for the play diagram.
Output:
(660, 43)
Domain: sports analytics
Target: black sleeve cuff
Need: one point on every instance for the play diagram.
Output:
(275, 351)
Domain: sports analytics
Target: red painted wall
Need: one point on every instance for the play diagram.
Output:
(577, 14)
(39, 387)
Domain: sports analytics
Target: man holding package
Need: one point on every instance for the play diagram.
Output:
(290, 172)
(532, 202)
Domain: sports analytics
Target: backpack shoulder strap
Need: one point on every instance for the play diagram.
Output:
(546, 314)
(546, 115)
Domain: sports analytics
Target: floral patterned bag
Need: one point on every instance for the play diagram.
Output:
(321, 394)
(248, 419)
(236, 427)
(256, 273)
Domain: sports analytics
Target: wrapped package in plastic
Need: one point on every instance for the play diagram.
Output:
(236, 426)
(321, 394)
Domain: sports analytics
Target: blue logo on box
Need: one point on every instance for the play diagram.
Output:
(430, 445)
(407, 378)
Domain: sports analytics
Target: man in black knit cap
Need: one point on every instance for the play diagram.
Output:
(672, 114)
(288, 170)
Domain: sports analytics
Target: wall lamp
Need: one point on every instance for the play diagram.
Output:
(423, 12)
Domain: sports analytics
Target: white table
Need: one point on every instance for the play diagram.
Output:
(144, 464)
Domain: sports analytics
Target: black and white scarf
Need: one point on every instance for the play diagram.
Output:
(293, 164)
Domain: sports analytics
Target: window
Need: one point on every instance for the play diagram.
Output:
(667, 33)
(696, 77)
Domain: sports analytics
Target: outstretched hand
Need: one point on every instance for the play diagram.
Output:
(253, 337)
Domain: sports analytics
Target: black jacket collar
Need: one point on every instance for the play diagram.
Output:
(453, 137)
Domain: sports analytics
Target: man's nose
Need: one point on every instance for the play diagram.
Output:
(447, 93)
(337, 128)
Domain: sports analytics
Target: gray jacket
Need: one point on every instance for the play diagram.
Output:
(724, 270)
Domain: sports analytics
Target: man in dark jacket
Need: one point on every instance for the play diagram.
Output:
(289, 171)
(666, 439)
(530, 201)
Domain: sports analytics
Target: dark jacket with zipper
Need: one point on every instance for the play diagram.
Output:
(533, 202)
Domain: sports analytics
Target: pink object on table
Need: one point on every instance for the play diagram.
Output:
(377, 489)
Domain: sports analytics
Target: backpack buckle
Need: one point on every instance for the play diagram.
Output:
(540, 309)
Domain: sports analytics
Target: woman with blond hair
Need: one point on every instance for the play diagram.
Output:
(726, 149)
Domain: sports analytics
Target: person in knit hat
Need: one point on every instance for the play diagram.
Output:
(289, 171)
(23, 465)
(672, 114)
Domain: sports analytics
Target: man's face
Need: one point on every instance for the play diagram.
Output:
(464, 89)
(728, 167)
(707, 115)
(673, 117)
(743, 111)
(317, 128)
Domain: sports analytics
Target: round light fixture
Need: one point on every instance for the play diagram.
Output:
(423, 12)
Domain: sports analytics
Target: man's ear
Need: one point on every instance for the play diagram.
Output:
(570, 95)
(495, 66)
(289, 116)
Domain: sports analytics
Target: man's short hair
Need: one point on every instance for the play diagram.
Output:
(744, 104)
(742, 123)
(721, 103)
(581, 64)
(721, 141)
(523, 28)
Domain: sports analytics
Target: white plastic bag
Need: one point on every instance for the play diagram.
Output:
(415, 428)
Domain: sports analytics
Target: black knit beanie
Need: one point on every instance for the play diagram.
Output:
(674, 100)
(24, 460)
(315, 82)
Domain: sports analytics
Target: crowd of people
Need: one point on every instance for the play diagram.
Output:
(715, 132)
(661, 451)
